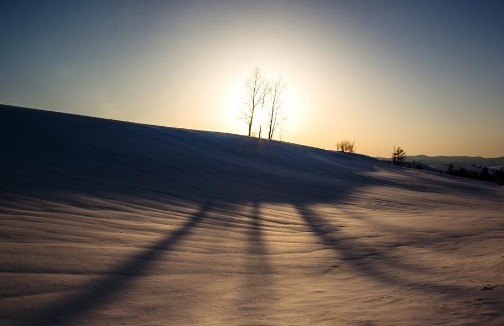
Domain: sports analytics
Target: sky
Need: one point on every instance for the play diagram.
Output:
(424, 75)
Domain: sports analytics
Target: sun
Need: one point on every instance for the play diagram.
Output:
(231, 104)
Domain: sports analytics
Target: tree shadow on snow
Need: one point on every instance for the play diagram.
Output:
(379, 265)
(258, 284)
(116, 281)
(52, 156)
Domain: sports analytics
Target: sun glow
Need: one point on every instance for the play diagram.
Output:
(233, 103)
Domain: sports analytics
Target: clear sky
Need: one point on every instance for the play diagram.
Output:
(425, 75)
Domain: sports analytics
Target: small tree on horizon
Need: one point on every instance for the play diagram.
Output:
(346, 146)
(398, 156)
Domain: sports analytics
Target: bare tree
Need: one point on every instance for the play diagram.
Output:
(346, 146)
(275, 114)
(257, 89)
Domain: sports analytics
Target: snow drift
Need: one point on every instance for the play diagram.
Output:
(107, 222)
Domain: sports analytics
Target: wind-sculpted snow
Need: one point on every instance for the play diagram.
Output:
(105, 222)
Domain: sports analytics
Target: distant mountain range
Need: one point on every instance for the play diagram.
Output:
(459, 161)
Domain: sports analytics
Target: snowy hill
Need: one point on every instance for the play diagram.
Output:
(102, 221)
(100, 155)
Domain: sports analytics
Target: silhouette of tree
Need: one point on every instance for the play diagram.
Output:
(257, 90)
(275, 114)
(346, 146)
(263, 95)
(398, 156)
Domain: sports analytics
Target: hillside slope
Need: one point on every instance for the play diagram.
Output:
(107, 222)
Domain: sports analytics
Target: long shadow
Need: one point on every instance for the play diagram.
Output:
(104, 290)
(354, 253)
(256, 246)
(49, 154)
(429, 238)
(257, 289)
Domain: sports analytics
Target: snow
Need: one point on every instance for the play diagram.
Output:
(105, 222)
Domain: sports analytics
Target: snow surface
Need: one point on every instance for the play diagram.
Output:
(107, 223)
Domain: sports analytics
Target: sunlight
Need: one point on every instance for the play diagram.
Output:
(231, 102)
(292, 106)
(262, 120)
(232, 99)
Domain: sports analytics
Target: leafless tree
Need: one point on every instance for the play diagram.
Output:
(275, 113)
(257, 89)
(346, 146)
